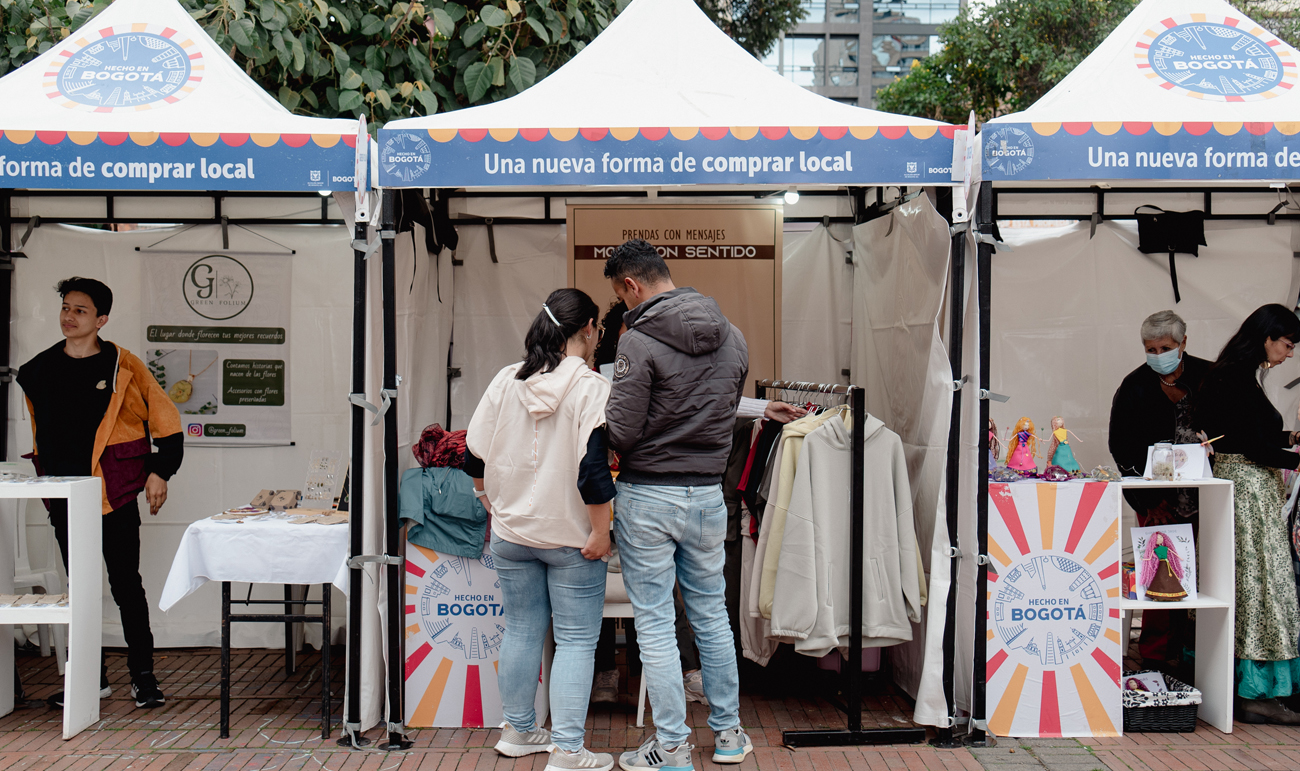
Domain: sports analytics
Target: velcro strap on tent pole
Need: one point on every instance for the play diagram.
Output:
(986, 238)
(367, 249)
(1173, 277)
(32, 224)
(386, 397)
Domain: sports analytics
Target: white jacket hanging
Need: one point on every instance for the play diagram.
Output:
(810, 605)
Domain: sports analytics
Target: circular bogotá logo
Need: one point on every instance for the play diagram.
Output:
(406, 156)
(1219, 58)
(1048, 610)
(1008, 150)
(218, 287)
(127, 67)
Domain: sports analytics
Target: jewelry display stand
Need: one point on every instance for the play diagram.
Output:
(1216, 596)
(84, 611)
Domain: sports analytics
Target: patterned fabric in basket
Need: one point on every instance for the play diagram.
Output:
(1180, 694)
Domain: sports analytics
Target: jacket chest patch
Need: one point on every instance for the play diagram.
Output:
(622, 365)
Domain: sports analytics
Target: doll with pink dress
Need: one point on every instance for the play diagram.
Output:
(1023, 447)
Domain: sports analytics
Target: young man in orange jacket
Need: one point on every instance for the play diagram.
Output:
(94, 408)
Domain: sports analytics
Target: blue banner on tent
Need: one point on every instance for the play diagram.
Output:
(920, 155)
(1192, 151)
(118, 161)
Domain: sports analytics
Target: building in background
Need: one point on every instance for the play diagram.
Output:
(846, 49)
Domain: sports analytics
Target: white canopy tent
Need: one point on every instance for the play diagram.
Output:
(664, 100)
(1185, 105)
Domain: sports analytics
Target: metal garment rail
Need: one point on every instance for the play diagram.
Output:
(855, 734)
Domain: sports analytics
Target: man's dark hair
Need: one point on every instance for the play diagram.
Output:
(638, 260)
(97, 291)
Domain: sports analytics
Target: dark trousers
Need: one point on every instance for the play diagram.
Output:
(122, 558)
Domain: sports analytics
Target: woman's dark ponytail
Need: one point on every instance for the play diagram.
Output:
(564, 313)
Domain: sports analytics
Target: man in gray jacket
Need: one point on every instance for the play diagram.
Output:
(678, 377)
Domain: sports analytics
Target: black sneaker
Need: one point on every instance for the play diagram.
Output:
(145, 691)
(56, 701)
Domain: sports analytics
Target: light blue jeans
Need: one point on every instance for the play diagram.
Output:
(539, 586)
(667, 535)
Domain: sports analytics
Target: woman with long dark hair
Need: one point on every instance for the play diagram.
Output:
(1232, 404)
(540, 432)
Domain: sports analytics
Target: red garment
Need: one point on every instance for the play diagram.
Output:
(439, 448)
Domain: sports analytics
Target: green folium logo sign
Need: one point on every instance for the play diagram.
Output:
(218, 287)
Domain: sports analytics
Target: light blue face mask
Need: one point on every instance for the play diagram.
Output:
(1164, 363)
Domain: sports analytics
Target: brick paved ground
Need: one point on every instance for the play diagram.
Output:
(275, 725)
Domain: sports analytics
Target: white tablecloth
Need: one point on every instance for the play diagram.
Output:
(258, 552)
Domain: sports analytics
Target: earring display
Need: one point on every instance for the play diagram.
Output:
(325, 473)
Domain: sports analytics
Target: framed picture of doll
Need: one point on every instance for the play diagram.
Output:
(1165, 557)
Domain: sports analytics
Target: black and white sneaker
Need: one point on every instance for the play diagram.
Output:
(56, 701)
(145, 691)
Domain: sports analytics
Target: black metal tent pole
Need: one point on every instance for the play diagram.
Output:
(394, 567)
(957, 289)
(984, 260)
(356, 493)
(6, 308)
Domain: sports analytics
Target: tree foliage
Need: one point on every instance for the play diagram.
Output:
(1001, 57)
(385, 58)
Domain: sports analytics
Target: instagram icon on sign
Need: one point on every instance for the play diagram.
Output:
(195, 429)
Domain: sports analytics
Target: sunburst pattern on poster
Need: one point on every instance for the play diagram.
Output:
(1054, 619)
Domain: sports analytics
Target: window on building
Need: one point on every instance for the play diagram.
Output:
(914, 11)
(800, 60)
(832, 11)
(893, 55)
(842, 62)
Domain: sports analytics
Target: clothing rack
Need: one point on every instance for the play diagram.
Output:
(854, 735)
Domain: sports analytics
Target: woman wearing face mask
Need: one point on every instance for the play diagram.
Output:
(1252, 454)
(544, 474)
(1155, 403)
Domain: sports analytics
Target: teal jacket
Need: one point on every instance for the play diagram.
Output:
(442, 511)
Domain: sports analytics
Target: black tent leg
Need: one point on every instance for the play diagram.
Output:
(984, 260)
(356, 496)
(394, 568)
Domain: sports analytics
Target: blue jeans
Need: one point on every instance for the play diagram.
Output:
(667, 535)
(539, 586)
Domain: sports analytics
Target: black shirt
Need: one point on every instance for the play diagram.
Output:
(70, 402)
(1234, 405)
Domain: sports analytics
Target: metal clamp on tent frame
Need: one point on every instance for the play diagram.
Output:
(386, 398)
(957, 385)
(358, 562)
(987, 395)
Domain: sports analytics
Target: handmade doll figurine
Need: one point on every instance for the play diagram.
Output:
(995, 444)
(1059, 452)
(1023, 447)
(1134, 684)
(1162, 570)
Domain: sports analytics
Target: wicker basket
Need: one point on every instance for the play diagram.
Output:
(1172, 712)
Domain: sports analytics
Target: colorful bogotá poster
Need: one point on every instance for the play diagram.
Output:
(1054, 647)
(217, 341)
(455, 624)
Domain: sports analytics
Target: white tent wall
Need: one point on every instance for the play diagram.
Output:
(816, 304)
(1066, 310)
(319, 336)
(900, 280)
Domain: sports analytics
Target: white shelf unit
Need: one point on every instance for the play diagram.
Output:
(84, 611)
(1216, 557)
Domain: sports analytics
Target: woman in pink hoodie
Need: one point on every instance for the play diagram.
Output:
(540, 433)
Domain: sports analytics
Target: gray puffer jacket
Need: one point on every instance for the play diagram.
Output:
(680, 371)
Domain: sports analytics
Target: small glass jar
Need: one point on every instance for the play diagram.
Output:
(1162, 462)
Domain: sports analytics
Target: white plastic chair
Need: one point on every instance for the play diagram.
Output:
(26, 577)
(617, 605)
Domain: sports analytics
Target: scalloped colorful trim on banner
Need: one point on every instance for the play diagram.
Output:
(100, 55)
(1175, 41)
(1196, 129)
(684, 134)
(147, 138)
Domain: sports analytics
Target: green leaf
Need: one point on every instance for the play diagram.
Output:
(299, 54)
(268, 12)
(522, 72)
(374, 80)
(342, 19)
(310, 98)
(289, 98)
(619, 5)
(350, 100)
(236, 5)
(427, 100)
(384, 99)
(539, 29)
(478, 79)
(455, 10)
(371, 24)
(493, 16)
(341, 58)
(513, 7)
(350, 79)
(241, 31)
(498, 66)
(445, 24)
(473, 33)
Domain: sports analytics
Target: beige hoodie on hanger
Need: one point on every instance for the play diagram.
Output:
(810, 606)
(532, 435)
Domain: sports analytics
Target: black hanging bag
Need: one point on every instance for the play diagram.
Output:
(1168, 232)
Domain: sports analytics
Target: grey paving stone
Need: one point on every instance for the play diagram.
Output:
(1049, 742)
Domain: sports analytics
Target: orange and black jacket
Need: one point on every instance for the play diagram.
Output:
(138, 411)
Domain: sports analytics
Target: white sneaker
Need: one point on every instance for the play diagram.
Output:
(651, 756)
(605, 689)
(694, 686)
(731, 746)
(514, 744)
(582, 760)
